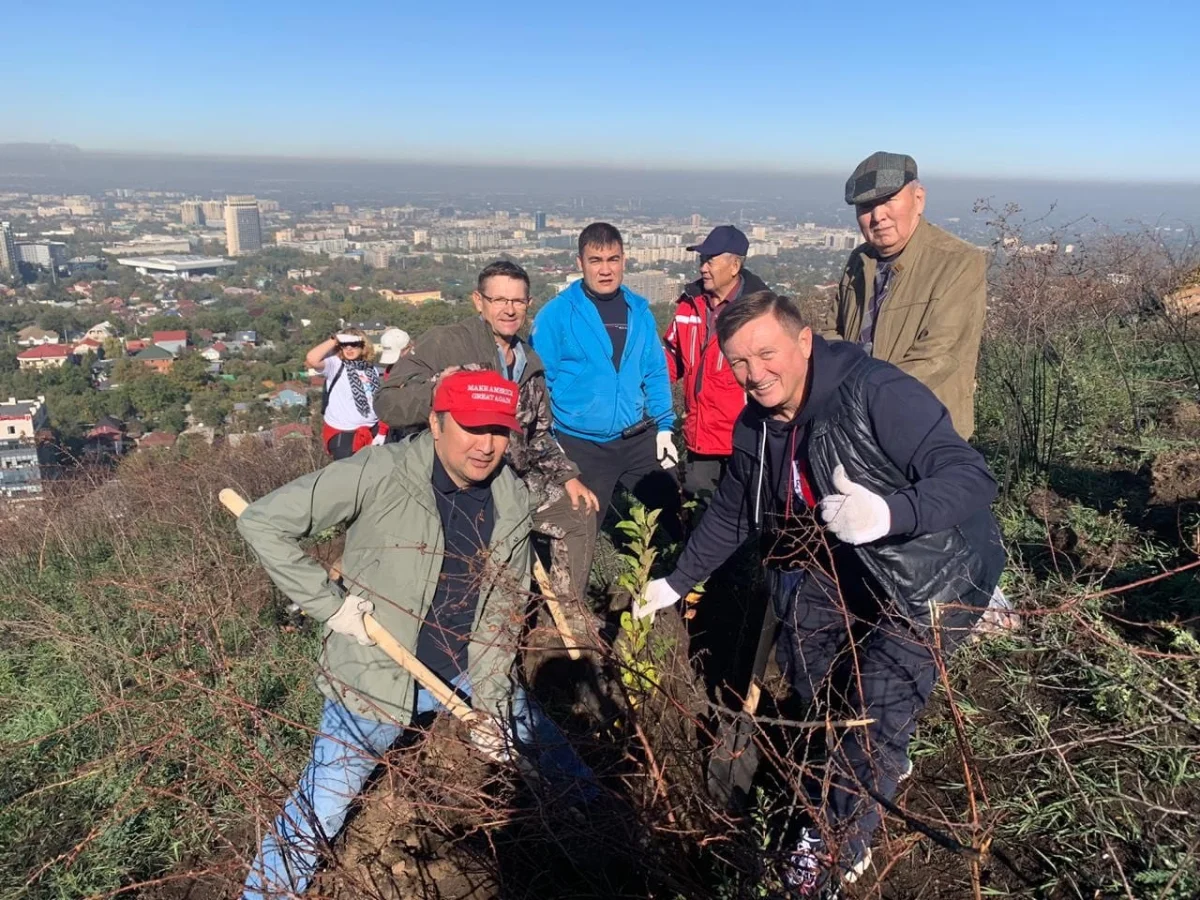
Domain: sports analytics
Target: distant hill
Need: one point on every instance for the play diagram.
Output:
(35, 151)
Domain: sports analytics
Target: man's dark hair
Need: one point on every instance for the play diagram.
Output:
(599, 234)
(503, 268)
(745, 310)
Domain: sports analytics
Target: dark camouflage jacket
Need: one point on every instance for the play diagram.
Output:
(405, 398)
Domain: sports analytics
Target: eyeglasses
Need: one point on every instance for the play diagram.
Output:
(354, 345)
(518, 303)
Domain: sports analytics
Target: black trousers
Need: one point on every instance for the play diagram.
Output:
(633, 464)
(341, 445)
(851, 654)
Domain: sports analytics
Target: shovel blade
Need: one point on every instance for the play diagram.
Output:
(733, 762)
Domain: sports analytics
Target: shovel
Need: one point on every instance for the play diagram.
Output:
(734, 758)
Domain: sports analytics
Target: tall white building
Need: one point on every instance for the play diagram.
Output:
(655, 285)
(377, 258)
(43, 254)
(191, 212)
(243, 227)
(214, 211)
(8, 250)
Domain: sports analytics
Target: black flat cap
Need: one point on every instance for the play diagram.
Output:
(879, 176)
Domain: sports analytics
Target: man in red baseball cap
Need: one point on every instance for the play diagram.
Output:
(473, 415)
(437, 549)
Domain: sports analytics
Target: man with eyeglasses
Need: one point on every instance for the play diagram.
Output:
(565, 508)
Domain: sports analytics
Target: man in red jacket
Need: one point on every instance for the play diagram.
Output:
(712, 399)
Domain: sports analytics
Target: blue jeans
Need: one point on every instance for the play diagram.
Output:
(346, 750)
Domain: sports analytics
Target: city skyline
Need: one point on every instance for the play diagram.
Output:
(1076, 91)
(737, 196)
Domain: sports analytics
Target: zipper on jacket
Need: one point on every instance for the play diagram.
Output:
(624, 353)
(762, 455)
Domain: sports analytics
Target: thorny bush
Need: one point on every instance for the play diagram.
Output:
(156, 702)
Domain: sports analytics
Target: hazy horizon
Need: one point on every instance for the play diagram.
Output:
(588, 190)
(7, 148)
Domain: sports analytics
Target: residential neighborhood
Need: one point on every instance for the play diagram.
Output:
(146, 318)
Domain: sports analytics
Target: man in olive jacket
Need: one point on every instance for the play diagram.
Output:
(437, 549)
(565, 509)
(913, 294)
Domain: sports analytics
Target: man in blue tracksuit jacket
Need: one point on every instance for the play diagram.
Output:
(608, 383)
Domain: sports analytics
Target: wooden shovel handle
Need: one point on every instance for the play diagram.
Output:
(442, 692)
(556, 611)
(750, 704)
(425, 677)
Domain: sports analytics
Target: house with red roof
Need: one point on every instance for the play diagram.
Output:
(291, 430)
(215, 352)
(157, 440)
(174, 342)
(106, 438)
(44, 356)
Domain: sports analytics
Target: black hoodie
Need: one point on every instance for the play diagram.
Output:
(948, 481)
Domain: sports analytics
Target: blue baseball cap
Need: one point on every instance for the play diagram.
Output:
(723, 239)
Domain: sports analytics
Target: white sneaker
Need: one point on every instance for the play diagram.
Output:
(808, 869)
(998, 618)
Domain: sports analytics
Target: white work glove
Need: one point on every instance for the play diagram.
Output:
(490, 737)
(667, 454)
(855, 514)
(658, 595)
(348, 621)
(378, 440)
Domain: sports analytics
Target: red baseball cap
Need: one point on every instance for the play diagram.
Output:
(476, 399)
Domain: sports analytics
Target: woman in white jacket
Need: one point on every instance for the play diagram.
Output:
(347, 359)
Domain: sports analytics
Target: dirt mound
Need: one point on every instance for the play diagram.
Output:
(412, 837)
(1183, 418)
(1084, 535)
(1048, 506)
(1175, 477)
(440, 822)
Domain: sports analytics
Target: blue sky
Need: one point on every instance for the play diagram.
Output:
(1101, 89)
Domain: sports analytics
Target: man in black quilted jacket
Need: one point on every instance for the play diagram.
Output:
(881, 550)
